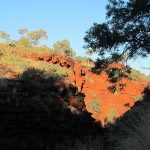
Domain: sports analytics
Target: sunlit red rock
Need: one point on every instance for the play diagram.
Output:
(95, 86)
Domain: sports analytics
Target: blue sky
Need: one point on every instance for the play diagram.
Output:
(62, 19)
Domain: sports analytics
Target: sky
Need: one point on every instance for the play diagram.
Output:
(62, 19)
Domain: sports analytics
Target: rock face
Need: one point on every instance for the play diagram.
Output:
(63, 60)
(96, 87)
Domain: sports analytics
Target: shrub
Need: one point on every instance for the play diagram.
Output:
(100, 65)
(138, 98)
(14, 62)
(80, 59)
(111, 115)
(84, 61)
(114, 74)
(95, 105)
(24, 42)
(32, 73)
(1, 54)
(135, 75)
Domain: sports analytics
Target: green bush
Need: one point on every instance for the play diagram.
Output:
(32, 73)
(24, 42)
(135, 75)
(1, 54)
(111, 115)
(100, 65)
(138, 98)
(95, 105)
(114, 74)
(80, 59)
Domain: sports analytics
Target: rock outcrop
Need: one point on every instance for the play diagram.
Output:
(96, 86)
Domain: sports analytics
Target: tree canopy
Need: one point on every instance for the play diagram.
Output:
(89, 52)
(4, 36)
(37, 36)
(64, 48)
(126, 31)
(23, 32)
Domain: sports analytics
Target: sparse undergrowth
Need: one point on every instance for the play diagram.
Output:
(111, 116)
(14, 62)
(95, 105)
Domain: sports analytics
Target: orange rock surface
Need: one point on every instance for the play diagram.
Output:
(95, 86)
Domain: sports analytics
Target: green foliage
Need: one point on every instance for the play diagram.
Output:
(95, 105)
(33, 74)
(23, 32)
(114, 74)
(89, 52)
(138, 98)
(117, 57)
(60, 71)
(84, 61)
(111, 115)
(54, 68)
(37, 36)
(1, 54)
(125, 32)
(24, 42)
(4, 36)
(80, 59)
(136, 75)
(104, 63)
(100, 65)
(37, 50)
(14, 62)
(63, 47)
